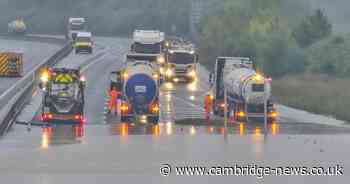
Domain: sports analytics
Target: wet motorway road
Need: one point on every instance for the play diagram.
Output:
(105, 150)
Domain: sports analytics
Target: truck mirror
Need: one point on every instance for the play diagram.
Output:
(211, 75)
(41, 86)
(119, 76)
(197, 58)
(114, 76)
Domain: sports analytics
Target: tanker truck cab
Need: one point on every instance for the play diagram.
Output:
(17, 27)
(83, 43)
(63, 100)
(75, 25)
(150, 43)
(182, 64)
(247, 90)
(140, 95)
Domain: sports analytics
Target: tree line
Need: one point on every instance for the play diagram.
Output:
(279, 42)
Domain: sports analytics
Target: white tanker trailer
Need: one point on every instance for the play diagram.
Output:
(17, 27)
(246, 90)
(139, 82)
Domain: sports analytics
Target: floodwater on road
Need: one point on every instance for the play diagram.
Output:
(134, 153)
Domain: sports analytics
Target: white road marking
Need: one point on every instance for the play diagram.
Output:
(93, 62)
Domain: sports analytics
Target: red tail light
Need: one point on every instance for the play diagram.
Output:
(79, 118)
(46, 116)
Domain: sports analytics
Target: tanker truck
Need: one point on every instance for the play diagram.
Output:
(17, 27)
(247, 91)
(139, 81)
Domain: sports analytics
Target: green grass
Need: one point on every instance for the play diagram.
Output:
(315, 93)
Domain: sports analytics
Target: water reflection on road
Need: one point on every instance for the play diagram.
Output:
(170, 128)
(60, 135)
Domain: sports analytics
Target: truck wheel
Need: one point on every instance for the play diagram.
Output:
(153, 120)
(90, 51)
(124, 119)
(215, 110)
(222, 113)
(76, 51)
(271, 120)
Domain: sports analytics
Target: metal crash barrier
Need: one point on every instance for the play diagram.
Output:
(14, 99)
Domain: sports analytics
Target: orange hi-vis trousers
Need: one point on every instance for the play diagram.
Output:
(208, 104)
(114, 94)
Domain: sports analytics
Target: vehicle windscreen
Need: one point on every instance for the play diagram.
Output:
(64, 90)
(182, 58)
(77, 27)
(83, 39)
(147, 48)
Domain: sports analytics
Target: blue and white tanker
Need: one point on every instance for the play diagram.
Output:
(140, 93)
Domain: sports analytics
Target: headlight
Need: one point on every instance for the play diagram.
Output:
(82, 79)
(161, 60)
(161, 70)
(192, 87)
(169, 72)
(125, 75)
(156, 76)
(192, 73)
(44, 77)
(258, 77)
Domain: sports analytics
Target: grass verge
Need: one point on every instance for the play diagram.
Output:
(315, 93)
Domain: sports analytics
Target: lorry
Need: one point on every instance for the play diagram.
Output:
(74, 26)
(138, 82)
(83, 43)
(182, 62)
(17, 26)
(11, 64)
(248, 93)
(63, 100)
(150, 44)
